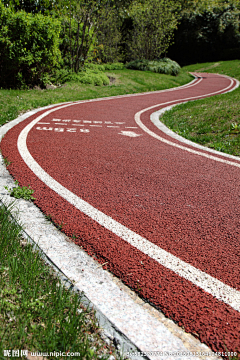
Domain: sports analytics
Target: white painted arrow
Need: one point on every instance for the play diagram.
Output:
(129, 133)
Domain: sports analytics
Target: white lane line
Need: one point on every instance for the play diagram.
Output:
(206, 282)
(143, 127)
(155, 118)
(129, 133)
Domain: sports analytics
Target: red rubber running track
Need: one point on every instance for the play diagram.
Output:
(163, 215)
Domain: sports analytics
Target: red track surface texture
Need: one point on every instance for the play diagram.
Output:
(184, 203)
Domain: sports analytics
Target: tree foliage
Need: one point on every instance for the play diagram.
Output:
(79, 18)
(29, 47)
(30, 6)
(108, 34)
(154, 22)
(110, 31)
(210, 32)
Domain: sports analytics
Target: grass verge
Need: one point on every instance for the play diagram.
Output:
(213, 122)
(37, 313)
(15, 102)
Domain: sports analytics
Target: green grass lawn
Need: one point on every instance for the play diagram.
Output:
(14, 102)
(37, 313)
(213, 122)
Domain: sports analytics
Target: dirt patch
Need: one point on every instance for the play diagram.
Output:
(112, 80)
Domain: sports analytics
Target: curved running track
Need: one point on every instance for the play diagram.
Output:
(162, 215)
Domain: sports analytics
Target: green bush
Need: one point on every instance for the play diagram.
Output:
(29, 48)
(162, 66)
(103, 67)
(93, 77)
(86, 76)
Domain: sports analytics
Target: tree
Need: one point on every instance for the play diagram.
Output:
(79, 18)
(209, 33)
(108, 34)
(153, 22)
(30, 6)
(29, 47)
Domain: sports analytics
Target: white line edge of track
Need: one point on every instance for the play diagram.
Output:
(206, 282)
(155, 119)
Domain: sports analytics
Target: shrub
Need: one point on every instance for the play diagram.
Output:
(86, 76)
(114, 66)
(162, 66)
(103, 67)
(29, 48)
(93, 77)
